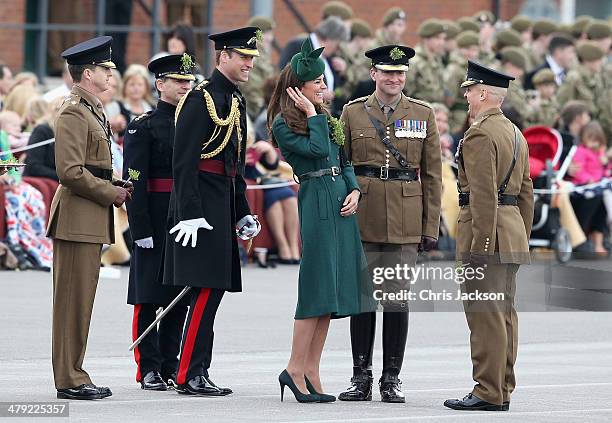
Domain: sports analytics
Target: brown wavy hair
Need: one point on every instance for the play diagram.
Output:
(281, 103)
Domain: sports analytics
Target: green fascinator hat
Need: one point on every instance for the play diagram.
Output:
(307, 64)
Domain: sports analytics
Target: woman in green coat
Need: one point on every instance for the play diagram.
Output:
(333, 269)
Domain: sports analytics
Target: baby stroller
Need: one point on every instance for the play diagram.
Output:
(545, 147)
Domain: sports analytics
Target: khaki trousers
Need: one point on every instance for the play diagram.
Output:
(493, 333)
(76, 267)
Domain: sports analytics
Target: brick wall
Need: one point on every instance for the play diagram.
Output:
(233, 13)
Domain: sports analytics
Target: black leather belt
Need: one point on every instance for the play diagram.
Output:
(502, 199)
(98, 172)
(333, 171)
(385, 173)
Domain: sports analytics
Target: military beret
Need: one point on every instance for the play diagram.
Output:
(243, 40)
(468, 24)
(565, 29)
(393, 14)
(514, 55)
(307, 64)
(543, 27)
(430, 28)
(337, 8)
(544, 76)
(598, 29)
(262, 22)
(580, 23)
(520, 23)
(96, 51)
(479, 74)
(360, 28)
(507, 37)
(467, 39)
(484, 16)
(588, 51)
(452, 29)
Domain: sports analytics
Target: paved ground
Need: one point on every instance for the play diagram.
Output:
(564, 370)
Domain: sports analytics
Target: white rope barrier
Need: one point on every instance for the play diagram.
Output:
(30, 146)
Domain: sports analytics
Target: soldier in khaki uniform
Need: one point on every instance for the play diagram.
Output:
(546, 107)
(357, 66)
(486, 21)
(452, 30)
(496, 199)
(514, 62)
(393, 143)
(468, 49)
(392, 31)
(541, 34)
(81, 217)
(253, 88)
(522, 25)
(587, 83)
(425, 79)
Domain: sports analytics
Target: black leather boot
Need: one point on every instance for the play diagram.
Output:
(390, 389)
(363, 328)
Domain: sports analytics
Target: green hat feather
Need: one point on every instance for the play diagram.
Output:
(307, 64)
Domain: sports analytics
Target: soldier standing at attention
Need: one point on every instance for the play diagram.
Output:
(496, 199)
(81, 217)
(147, 155)
(425, 79)
(392, 31)
(208, 205)
(392, 141)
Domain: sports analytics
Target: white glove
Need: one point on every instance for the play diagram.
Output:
(189, 229)
(248, 227)
(145, 242)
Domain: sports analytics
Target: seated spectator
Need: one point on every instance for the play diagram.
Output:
(181, 39)
(591, 166)
(572, 118)
(450, 198)
(36, 109)
(17, 99)
(27, 79)
(10, 122)
(280, 204)
(117, 114)
(136, 91)
(40, 161)
(25, 217)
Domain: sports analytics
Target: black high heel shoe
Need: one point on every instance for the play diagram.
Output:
(322, 397)
(285, 380)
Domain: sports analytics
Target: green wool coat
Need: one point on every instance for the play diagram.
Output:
(333, 273)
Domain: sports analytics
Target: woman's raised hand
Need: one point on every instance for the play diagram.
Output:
(301, 102)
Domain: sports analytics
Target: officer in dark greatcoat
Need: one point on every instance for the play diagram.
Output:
(148, 163)
(209, 194)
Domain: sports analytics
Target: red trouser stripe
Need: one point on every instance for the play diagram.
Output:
(192, 333)
(135, 336)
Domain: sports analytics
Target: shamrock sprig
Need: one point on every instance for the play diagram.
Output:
(337, 130)
(396, 53)
(187, 63)
(134, 175)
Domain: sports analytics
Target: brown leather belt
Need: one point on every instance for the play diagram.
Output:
(215, 166)
(159, 184)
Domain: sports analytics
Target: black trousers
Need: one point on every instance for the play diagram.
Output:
(395, 333)
(159, 350)
(590, 212)
(198, 336)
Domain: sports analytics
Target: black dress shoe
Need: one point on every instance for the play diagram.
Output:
(170, 380)
(472, 403)
(506, 406)
(226, 391)
(153, 381)
(199, 386)
(390, 390)
(82, 392)
(360, 389)
(103, 390)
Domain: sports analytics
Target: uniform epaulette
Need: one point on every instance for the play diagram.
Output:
(72, 99)
(202, 85)
(421, 102)
(143, 116)
(358, 100)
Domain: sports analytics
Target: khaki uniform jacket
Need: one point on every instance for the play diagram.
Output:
(393, 211)
(485, 228)
(453, 77)
(425, 77)
(81, 210)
